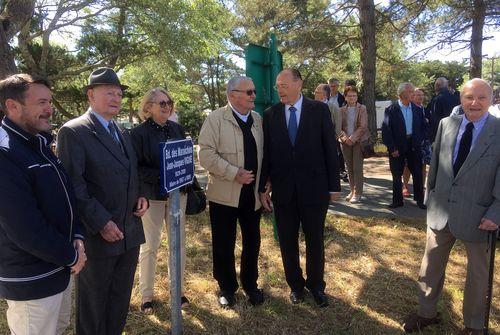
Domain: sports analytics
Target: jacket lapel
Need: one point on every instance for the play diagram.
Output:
(105, 138)
(482, 143)
(449, 140)
(304, 117)
(228, 115)
(280, 119)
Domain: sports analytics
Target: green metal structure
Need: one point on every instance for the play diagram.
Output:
(263, 65)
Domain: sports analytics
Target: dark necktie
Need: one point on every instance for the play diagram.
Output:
(114, 135)
(464, 148)
(292, 125)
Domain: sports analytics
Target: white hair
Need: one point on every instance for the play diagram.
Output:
(441, 83)
(235, 81)
(402, 87)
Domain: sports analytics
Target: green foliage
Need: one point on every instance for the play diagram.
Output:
(191, 118)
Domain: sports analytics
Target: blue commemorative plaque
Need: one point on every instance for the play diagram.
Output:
(177, 165)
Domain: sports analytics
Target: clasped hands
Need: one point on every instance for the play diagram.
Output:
(112, 233)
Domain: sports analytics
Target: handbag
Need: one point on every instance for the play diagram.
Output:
(196, 199)
(367, 148)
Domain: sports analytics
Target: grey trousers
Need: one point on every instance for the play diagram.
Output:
(354, 161)
(432, 275)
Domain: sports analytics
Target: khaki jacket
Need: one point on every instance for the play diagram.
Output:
(361, 132)
(221, 154)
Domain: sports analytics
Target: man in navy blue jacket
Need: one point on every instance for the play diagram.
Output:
(403, 132)
(441, 105)
(41, 240)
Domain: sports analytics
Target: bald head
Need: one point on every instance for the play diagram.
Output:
(476, 97)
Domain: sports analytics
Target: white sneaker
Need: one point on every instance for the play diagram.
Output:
(349, 197)
(355, 199)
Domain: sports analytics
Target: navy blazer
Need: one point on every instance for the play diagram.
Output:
(441, 107)
(394, 129)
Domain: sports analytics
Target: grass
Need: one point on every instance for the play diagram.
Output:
(371, 271)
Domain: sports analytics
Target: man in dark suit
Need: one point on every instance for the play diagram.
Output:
(403, 132)
(441, 105)
(300, 164)
(102, 165)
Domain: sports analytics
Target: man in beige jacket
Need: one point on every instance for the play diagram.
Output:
(231, 148)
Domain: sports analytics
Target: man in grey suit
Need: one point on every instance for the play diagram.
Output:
(102, 165)
(463, 199)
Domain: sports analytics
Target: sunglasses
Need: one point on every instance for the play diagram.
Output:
(164, 104)
(248, 92)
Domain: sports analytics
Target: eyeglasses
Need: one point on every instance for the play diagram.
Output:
(248, 92)
(163, 103)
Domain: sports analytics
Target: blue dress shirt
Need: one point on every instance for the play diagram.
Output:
(105, 123)
(408, 116)
(478, 126)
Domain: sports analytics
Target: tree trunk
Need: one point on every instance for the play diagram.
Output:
(13, 16)
(368, 57)
(476, 47)
(7, 64)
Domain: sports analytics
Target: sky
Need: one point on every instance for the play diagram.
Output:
(491, 46)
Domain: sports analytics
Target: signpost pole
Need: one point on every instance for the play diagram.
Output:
(175, 262)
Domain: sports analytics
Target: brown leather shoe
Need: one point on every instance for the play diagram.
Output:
(414, 322)
(470, 331)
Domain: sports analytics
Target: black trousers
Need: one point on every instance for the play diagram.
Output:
(289, 218)
(103, 291)
(397, 165)
(223, 221)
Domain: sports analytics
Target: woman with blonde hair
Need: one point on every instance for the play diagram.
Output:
(155, 110)
(354, 131)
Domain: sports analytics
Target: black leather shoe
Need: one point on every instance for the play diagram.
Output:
(255, 297)
(320, 298)
(421, 205)
(226, 300)
(297, 297)
(395, 205)
(414, 322)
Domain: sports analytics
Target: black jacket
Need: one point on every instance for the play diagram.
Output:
(145, 140)
(310, 169)
(440, 107)
(37, 217)
(394, 129)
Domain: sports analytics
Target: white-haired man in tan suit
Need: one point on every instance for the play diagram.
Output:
(463, 200)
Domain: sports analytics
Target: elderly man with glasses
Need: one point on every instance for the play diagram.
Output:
(231, 148)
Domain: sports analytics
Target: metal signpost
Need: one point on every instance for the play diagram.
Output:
(177, 170)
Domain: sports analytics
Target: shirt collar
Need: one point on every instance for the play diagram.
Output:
(403, 106)
(243, 117)
(478, 124)
(101, 119)
(297, 104)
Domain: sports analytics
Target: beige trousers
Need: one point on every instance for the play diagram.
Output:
(153, 221)
(432, 275)
(46, 316)
(353, 158)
